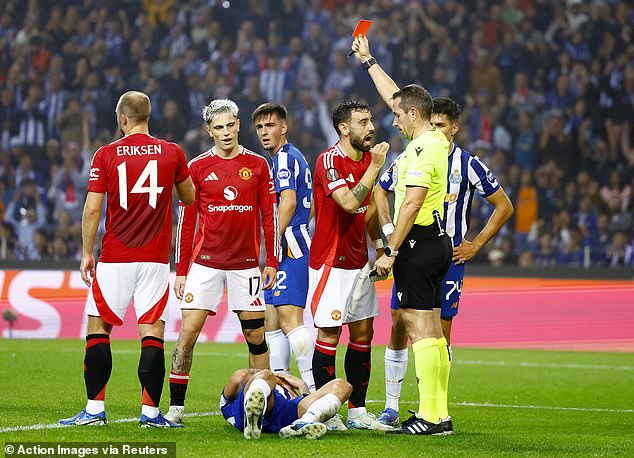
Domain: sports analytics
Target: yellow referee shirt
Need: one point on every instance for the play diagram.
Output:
(424, 164)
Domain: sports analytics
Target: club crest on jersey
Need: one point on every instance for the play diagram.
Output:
(245, 173)
(455, 177)
(335, 315)
(283, 174)
(189, 297)
(491, 178)
(230, 193)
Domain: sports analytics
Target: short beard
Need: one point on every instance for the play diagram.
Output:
(358, 144)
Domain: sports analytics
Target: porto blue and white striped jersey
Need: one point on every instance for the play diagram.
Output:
(466, 173)
(291, 171)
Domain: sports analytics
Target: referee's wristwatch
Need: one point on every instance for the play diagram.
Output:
(389, 252)
(368, 63)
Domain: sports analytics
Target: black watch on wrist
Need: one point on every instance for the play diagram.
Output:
(389, 252)
(368, 63)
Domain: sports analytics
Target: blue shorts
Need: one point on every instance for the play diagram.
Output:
(283, 414)
(291, 285)
(451, 289)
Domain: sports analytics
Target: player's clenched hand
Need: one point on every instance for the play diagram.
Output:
(87, 268)
(361, 48)
(179, 286)
(383, 265)
(464, 252)
(268, 277)
(379, 151)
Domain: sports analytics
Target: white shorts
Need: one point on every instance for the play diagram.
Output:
(337, 296)
(117, 283)
(205, 286)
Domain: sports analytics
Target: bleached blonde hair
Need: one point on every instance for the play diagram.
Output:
(219, 106)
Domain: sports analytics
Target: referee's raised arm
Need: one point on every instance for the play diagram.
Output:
(383, 82)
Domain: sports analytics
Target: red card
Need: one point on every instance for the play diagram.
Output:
(362, 28)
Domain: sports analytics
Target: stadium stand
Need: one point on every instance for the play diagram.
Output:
(547, 88)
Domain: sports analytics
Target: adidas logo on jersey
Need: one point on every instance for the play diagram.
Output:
(212, 177)
(350, 178)
(256, 303)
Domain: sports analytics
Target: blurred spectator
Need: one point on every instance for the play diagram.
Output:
(614, 189)
(620, 252)
(173, 125)
(526, 206)
(545, 255)
(30, 120)
(26, 214)
(274, 81)
(525, 142)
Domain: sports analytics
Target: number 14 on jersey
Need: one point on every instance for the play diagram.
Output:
(150, 172)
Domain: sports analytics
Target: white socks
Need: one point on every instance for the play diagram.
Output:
(356, 412)
(303, 347)
(279, 351)
(395, 369)
(149, 411)
(258, 384)
(94, 407)
(322, 409)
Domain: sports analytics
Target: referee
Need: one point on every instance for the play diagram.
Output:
(418, 249)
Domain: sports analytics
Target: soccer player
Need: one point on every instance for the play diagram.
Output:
(137, 172)
(425, 248)
(467, 174)
(284, 324)
(256, 401)
(234, 187)
(340, 291)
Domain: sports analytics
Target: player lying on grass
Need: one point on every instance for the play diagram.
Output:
(256, 400)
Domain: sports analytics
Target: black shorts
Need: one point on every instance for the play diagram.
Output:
(422, 262)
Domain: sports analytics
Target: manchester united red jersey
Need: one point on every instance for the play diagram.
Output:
(339, 239)
(231, 194)
(137, 172)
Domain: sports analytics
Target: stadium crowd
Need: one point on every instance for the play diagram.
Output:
(547, 89)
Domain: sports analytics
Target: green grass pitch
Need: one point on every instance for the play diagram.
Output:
(503, 402)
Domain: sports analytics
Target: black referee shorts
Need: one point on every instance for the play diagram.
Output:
(421, 264)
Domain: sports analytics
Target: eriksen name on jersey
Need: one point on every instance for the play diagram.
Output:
(138, 150)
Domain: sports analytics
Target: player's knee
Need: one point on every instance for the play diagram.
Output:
(265, 374)
(253, 329)
(329, 335)
(257, 348)
(189, 332)
(288, 323)
(342, 389)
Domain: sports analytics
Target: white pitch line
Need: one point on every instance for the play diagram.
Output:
(41, 426)
(511, 406)
(551, 365)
